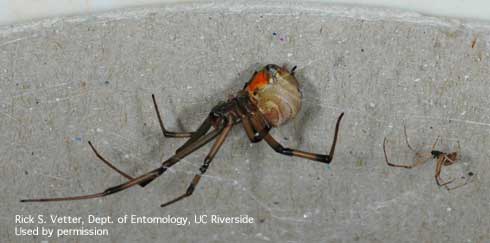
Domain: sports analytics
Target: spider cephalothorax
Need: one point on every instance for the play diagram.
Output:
(269, 99)
(275, 91)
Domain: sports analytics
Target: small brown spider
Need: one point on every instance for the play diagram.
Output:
(442, 159)
(271, 98)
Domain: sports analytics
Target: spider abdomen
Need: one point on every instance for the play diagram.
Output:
(279, 102)
(275, 92)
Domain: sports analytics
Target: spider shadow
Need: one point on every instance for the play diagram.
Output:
(309, 110)
(201, 106)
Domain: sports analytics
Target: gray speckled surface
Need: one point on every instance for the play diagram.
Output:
(66, 81)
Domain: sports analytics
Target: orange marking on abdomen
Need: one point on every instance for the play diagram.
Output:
(259, 81)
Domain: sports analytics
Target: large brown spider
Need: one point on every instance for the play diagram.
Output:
(442, 158)
(269, 99)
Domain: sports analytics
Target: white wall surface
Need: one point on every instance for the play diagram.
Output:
(12, 11)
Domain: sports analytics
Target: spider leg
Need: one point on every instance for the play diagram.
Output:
(144, 179)
(201, 130)
(452, 161)
(440, 162)
(188, 148)
(451, 158)
(420, 160)
(455, 187)
(207, 161)
(199, 133)
(462, 184)
(250, 116)
(325, 158)
(141, 179)
(205, 126)
(165, 132)
(252, 134)
(406, 138)
(434, 145)
(388, 162)
(293, 70)
(108, 163)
